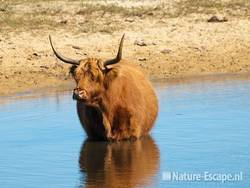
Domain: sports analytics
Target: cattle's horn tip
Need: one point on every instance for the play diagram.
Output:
(123, 36)
(50, 40)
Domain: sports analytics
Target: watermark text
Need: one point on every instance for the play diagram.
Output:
(203, 176)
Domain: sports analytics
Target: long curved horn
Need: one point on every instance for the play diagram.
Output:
(118, 56)
(61, 57)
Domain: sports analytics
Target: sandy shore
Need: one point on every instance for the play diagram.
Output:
(164, 46)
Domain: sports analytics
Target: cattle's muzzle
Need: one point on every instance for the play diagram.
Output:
(75, 96)
(79, 94)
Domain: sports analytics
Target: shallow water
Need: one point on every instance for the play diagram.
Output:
(201, 127)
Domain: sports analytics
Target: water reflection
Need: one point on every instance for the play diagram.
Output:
(122, 164)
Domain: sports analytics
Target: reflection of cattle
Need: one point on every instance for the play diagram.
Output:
(114, 99)
(119, 164)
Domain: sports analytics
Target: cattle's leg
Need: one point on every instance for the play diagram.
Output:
(107, 126)
(128, 129)
(135, 128)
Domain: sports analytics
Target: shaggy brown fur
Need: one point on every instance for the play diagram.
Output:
(114, 99)
(119, 102)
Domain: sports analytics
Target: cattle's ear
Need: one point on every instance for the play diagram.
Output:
(109, 67)
(104, 69)
(72, 70)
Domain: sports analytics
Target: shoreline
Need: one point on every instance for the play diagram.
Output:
(68, 85)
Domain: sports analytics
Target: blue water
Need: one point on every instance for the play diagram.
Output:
(201, 127)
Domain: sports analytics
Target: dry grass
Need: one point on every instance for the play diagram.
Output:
(56, 16)
(91, 26)
(27, 22)
(88, 8)
(231, 7)
(10, 19)
(98, 16)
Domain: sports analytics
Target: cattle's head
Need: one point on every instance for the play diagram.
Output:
(89, 74)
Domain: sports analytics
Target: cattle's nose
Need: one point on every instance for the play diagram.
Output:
(75, 96)
(79, 94)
